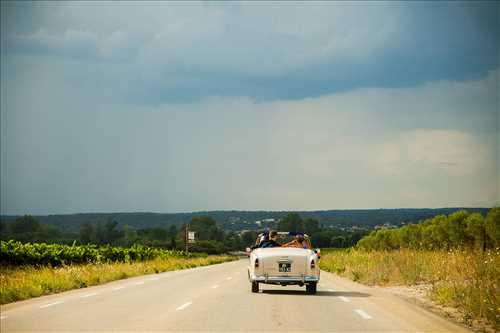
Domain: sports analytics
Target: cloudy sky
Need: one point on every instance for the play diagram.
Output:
(169, 107)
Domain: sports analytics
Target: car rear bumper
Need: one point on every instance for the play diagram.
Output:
(284, 279)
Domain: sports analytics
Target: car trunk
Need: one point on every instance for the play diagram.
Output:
(284, 261)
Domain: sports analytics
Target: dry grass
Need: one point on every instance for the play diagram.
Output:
(466, 280)
(18, 283)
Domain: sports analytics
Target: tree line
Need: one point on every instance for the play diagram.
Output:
(245, 220)
(458, 230)
(210, 237)
(320, 236)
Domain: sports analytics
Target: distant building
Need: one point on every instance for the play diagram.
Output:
(386, 226)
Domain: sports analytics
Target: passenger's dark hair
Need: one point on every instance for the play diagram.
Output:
(273, 233)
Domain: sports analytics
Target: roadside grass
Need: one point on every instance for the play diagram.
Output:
(24, 282)
(464, 279)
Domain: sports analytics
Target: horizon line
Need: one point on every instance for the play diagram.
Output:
(253, 211)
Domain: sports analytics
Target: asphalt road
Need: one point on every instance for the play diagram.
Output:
(218, 298)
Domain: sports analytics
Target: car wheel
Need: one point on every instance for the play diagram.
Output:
(311, 288)
(255, 287)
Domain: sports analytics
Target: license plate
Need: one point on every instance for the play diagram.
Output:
(285, 267)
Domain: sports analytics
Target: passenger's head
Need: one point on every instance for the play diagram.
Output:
(300, 238)
(273, 235)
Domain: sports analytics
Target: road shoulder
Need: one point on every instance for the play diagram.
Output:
(418, 295)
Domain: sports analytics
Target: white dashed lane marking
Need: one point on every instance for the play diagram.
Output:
(215, 286)
(88, 295)
(229, 278)
(363, 314)
(139, 283)
(51, 304)
(345, 299)
(119, 288)
(183, 306)
(154, 279)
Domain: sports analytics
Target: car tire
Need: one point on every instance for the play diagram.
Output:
(311, 288)
(255, 287)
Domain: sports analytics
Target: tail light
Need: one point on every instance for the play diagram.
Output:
(256, 265)
(313, 264)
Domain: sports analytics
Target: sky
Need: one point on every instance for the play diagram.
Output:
(175, 107)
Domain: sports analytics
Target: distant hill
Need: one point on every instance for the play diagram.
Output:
(245, 220)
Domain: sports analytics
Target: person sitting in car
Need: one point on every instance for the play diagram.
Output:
(273, 236)
(263, 238)
(299, 242)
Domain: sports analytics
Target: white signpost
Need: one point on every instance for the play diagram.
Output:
(190, 237)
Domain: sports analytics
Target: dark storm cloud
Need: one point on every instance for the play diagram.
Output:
(176, 52)
(197, 106)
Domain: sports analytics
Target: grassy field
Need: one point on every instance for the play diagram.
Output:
(469, 281)
(18, 283)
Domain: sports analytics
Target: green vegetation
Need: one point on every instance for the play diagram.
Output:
(458, 230)
(210, 237)
(35, 269)
(237, 220)
(467, 280)
(18, 283)
(320, 236)
(17, 253)
(457, 255)
(217, 232)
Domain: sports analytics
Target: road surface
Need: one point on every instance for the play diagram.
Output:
(218, 298)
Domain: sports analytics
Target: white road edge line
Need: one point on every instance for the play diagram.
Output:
(139, 283)
(89, 295)
(363, 314)
(119, 288)
(183, 306)
(215, 286)
(154, 278)
(50, 304)
(345, 299)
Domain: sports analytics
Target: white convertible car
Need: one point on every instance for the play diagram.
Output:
(283, 265)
